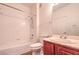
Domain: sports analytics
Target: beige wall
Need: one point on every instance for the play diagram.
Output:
(45, 19)
(66, 19)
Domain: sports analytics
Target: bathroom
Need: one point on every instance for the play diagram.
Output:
(39, 29)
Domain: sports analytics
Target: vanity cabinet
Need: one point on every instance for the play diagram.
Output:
(57, 49)
(48, 48)
(63, 50)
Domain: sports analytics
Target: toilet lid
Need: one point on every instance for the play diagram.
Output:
(36, 45)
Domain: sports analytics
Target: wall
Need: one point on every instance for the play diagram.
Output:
(45, 12)
(66, 19)
(33, 23)
(14, 24)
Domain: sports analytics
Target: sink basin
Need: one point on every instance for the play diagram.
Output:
(66, 41)
(74, 41)
(69, 41)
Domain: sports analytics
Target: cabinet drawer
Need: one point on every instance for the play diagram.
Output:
(48, 48)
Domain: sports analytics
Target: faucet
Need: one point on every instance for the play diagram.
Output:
(64, 35)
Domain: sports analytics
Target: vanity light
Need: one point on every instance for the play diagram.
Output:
(23, 23)
(53, 4)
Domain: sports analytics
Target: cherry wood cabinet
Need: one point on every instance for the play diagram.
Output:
(57, 49)
(48, 48)
(63, 50)
(60, 51)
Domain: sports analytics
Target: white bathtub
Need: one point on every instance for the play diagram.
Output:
(13, 49)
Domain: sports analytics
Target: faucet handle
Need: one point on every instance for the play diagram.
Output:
(64, 32)
(63, 36)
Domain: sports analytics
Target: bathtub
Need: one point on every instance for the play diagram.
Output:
(15, 49)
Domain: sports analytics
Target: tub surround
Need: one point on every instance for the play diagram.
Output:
(16, 28)
(14, 49)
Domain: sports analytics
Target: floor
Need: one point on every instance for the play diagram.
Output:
(27, 53)
(36, 52)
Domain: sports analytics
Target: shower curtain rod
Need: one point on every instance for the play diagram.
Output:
(12, 7)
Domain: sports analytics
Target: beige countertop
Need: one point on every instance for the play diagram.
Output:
(67, 42)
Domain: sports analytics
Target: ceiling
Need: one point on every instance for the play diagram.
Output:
(60, 5)
(30, 4)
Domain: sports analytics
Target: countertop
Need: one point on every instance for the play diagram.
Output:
(74, 43)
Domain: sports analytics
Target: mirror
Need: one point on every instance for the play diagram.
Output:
(65, 18)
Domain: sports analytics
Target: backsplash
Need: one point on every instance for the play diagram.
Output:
(68, 37)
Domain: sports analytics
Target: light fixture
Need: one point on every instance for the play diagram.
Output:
(23, 23)
(53, 4)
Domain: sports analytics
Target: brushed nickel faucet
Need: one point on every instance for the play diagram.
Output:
(64, 35)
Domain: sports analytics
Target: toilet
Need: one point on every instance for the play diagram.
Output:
(36, 48)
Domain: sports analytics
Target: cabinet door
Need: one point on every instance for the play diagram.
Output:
(70, 51)
(57, 50)
(61, 50)
(48, 48)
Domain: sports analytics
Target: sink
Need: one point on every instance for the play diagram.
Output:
(69, 41)
(74, 41)
(66, 41)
